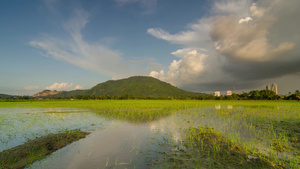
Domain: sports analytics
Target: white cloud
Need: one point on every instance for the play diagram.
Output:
(247, 19)
(78, 87)
(31, 87)
(256, 12)
(180, 53)
(148, 5)
(239, 8)
(60, 86)
(75, 50)
(197, 33)
(184, 70)
(246, 44)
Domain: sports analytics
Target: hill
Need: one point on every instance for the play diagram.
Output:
(46, 93)
(136, 85)
(4, 95)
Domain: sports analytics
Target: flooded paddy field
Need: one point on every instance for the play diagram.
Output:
(159, 134)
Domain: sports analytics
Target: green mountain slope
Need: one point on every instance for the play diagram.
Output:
(136, 85)
(4, 95)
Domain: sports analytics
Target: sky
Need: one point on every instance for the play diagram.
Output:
(196, 45)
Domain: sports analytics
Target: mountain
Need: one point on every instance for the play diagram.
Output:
(47, 92)
(136, 85)
(4, 95)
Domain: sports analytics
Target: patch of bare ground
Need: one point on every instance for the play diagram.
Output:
(20, 156)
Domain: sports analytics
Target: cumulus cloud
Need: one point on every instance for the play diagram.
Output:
(78, 87)
(60, 86)
(256, 12)
(247, 44)
(239, 8)
(31, 87)
(247, 41)
(184, 70)
(247, 19)
(75, 50)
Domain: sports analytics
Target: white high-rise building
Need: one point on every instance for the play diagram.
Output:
(272, 87)
(229, 92)
(217, 93)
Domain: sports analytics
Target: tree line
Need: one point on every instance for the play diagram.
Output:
(252, 95)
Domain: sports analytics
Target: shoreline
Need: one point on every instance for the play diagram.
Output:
(20, 156)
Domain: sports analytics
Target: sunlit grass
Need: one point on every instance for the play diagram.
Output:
(197, 134)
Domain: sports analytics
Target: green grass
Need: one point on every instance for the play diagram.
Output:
(269, 130)
(131, 110)
(204, 147)
(33, 150)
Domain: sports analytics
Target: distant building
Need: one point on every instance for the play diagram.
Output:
(272, 87)
(217, 93)
(229, 93)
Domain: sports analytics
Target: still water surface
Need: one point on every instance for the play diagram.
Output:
(116, 143)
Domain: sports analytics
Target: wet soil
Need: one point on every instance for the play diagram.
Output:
(20, 156)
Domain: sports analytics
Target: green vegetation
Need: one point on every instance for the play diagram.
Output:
(20, 156)
(252, 134)
(133, 86)
(4, 95)
(206, 134)
(252, 95)
(295, 96)
(132, 110)
(206, 148)
(148, 88)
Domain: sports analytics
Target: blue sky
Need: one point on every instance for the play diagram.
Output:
(195, 45)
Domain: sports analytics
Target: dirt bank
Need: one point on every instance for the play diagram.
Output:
(20, 156)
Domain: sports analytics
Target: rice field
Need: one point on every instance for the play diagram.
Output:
(159, 133)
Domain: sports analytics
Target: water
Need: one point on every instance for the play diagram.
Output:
(18, 125)
(120, 144)
(125, 145)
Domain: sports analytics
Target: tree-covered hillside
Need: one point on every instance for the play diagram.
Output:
(136, 85)
(4, 95)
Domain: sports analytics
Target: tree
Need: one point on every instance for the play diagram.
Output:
(254, 95)
(268, 95)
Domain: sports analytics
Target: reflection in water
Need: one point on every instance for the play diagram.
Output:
(164, 127)
(218, 107)
(120, 144)
(117, 146)
(22, 124)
